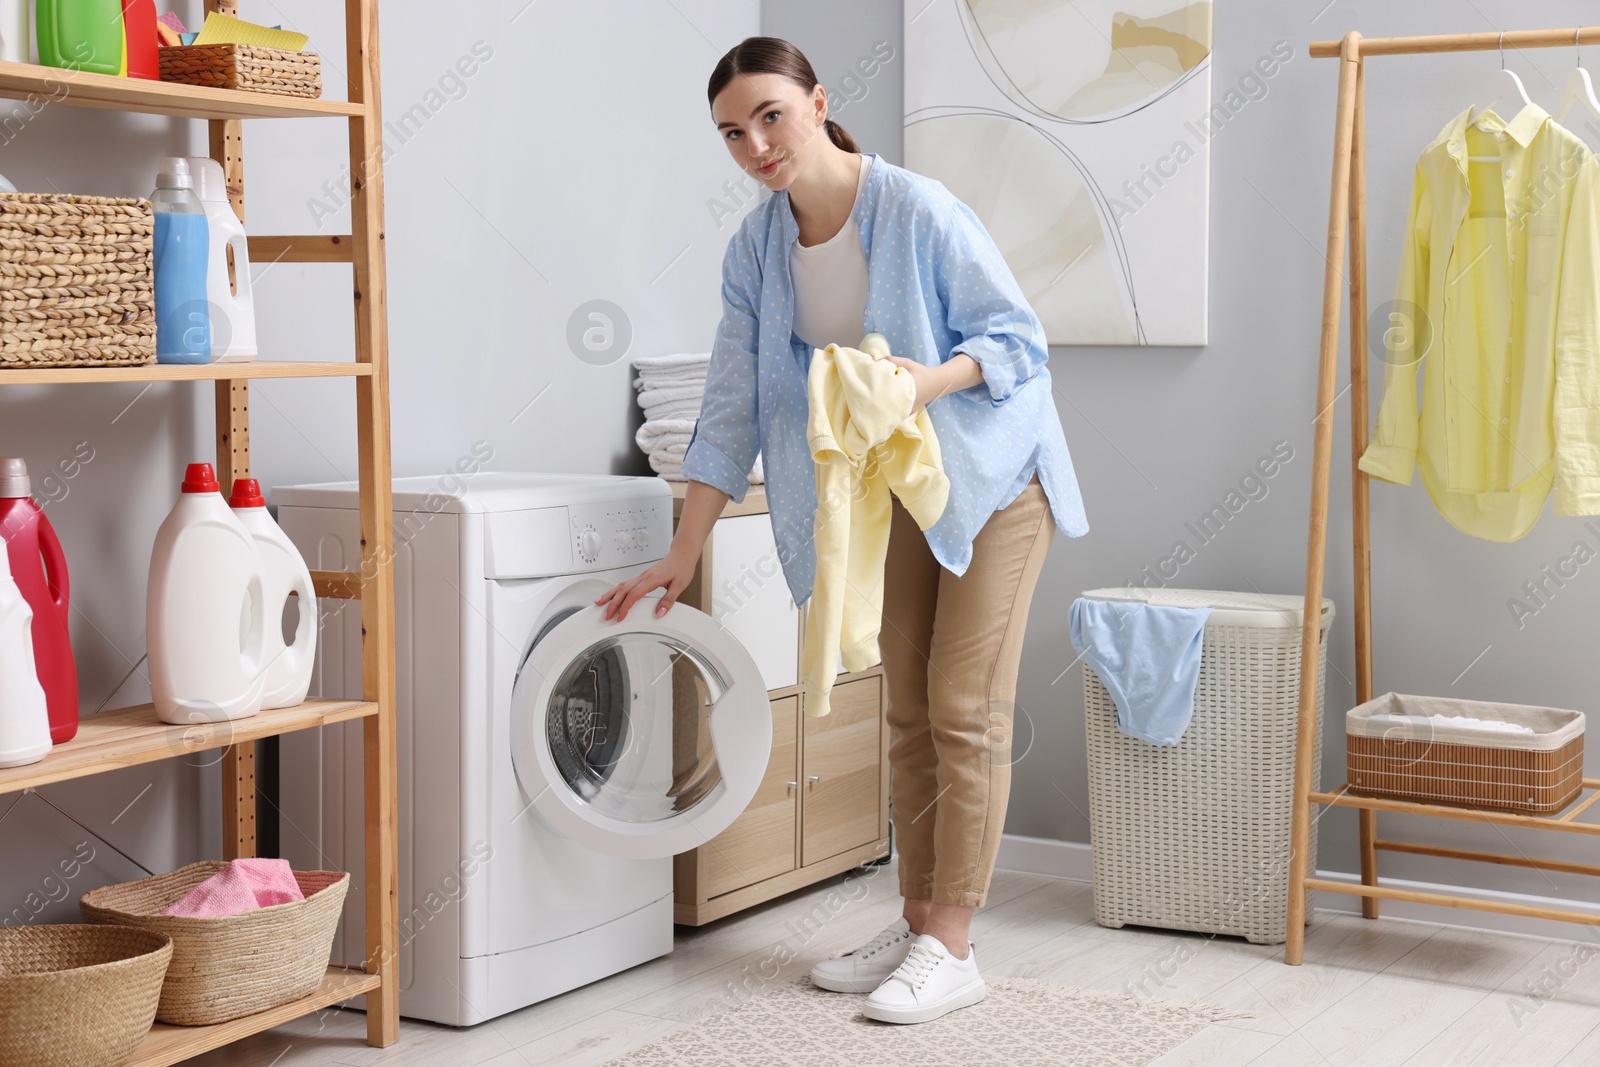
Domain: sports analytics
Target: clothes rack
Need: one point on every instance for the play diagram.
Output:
(1347, 211)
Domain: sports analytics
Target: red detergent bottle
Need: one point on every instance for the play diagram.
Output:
(40, 570)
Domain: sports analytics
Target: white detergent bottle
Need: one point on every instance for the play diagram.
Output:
(233, 303)
(288, 665)
(16, 30)
(24, 714)
(205, 615)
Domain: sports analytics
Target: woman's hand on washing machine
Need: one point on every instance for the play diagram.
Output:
(670, 575)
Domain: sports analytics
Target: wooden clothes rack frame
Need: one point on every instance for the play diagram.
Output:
(1347, 213)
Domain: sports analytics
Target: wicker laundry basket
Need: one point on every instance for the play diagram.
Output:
(77, 996)
(77, 284)
(1196, 836)
(236, 965)
(1415, 758)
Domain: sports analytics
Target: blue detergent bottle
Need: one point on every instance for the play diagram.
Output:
(182, 239)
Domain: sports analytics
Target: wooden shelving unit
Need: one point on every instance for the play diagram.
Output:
(1347, 214)
(131, 736)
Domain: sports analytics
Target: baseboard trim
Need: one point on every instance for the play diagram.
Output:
(1074, 860)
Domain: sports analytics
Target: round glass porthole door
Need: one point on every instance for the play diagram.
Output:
(646, 737)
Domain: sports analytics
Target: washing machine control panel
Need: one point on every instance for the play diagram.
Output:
(616, 534)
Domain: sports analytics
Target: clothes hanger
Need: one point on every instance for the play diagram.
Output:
(1579, 90)
(1503, 84)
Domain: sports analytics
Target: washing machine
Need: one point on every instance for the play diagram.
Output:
(551, 762)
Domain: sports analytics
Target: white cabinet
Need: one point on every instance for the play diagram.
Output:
(751, 599)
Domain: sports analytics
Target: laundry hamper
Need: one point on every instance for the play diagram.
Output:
(1196, 836)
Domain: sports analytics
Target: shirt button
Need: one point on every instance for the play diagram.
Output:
(1504, 421)
(1500, 136)
(1508, 381)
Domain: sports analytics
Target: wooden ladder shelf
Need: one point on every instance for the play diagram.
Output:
(1347, 213)
(129, 736)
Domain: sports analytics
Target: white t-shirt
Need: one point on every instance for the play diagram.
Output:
(830, 282)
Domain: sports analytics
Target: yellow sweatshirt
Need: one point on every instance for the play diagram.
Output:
(865, 443)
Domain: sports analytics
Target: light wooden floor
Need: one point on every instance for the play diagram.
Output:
(1386, 991)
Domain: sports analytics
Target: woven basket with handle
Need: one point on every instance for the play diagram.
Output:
(244, 66)
(77, 996)
(77, 285)
(236, 965)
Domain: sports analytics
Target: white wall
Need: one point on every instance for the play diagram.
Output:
(575, 162)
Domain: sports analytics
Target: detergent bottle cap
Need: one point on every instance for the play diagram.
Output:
(174, 174)
(200, 478)
(247, 494)
(14, 481)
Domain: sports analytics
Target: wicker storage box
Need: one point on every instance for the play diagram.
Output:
(77, 287)
(1196, 836)
(1447, 763)
(244, 66)
(224, 968)
(77, 996)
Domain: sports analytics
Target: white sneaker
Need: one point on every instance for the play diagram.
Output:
(864, 969)
(929, 984)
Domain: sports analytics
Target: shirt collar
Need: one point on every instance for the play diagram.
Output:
(1523, 127)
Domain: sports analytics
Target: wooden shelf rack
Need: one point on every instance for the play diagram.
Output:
(131, 736)
(1347, 214)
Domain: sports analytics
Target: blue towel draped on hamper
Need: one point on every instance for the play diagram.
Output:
(1148, 658)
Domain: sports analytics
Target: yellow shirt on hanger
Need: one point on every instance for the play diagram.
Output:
(1498, 300)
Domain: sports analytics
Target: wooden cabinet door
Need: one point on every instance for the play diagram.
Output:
(842, 765)
(761, 842)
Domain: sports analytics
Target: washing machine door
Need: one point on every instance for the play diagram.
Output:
(640, 738)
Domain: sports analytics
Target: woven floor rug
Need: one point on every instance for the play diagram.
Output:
(1023, 1022)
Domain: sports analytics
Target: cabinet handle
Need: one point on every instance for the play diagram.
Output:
(814, 778)
(793, 786)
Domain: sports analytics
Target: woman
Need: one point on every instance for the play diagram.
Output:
(850, 244)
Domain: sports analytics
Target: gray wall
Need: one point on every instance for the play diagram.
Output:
(578, 163)
(1159, 436)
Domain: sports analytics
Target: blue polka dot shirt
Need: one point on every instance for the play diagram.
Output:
(936, 285)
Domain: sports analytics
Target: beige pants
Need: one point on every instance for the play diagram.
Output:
(951, 647)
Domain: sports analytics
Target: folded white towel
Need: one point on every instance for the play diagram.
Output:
(673, 402)
(676, 409)
(671, 361)
(696, 378)
(671, 450)
(654, 431)
(668, 467)
(677, 369)
(652, 393)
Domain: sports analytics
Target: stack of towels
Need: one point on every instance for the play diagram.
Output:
(670, 388)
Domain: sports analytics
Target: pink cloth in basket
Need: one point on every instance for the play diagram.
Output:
(243, 885)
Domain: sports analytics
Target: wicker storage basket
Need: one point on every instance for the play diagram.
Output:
(77, 996)
(1445, 763)
(1196, 836)
(244, 66)
(237, 965)
(77, 287)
